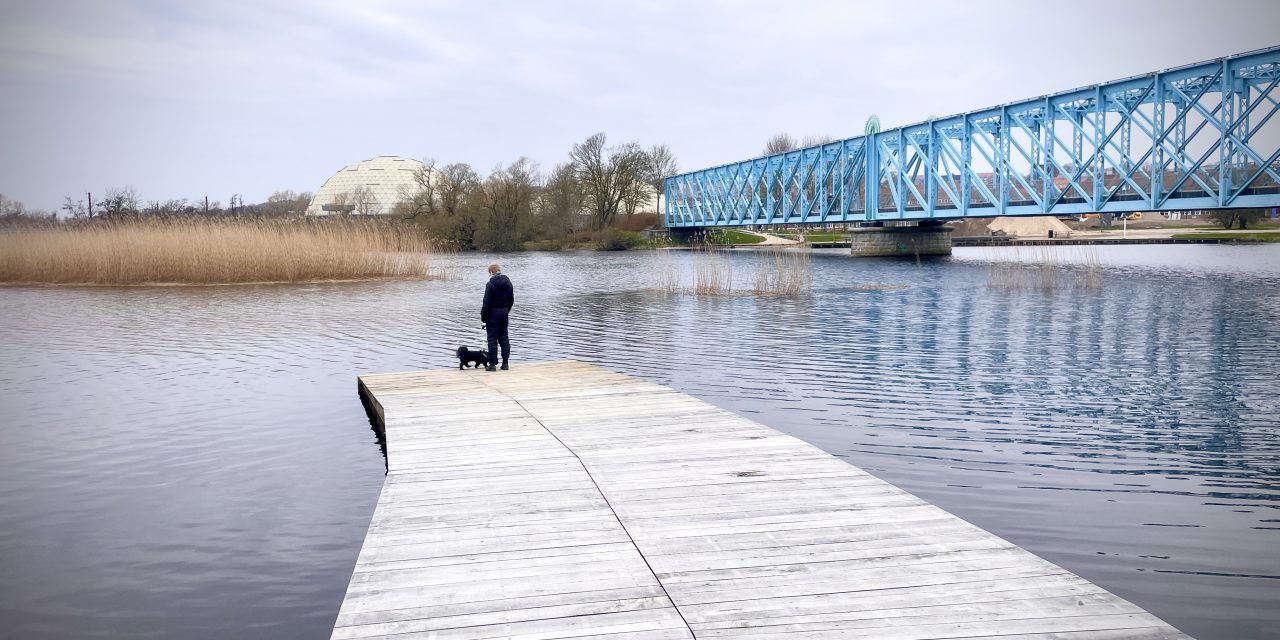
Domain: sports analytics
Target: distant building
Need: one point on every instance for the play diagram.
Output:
(371, 187)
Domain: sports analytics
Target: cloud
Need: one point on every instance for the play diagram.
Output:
(181, 98)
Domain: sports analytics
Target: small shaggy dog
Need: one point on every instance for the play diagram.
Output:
(477, 357)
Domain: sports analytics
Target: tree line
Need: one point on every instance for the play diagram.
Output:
(595, 197)
(602, 195)
(124, 202)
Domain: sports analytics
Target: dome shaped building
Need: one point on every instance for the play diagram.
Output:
(370, 187)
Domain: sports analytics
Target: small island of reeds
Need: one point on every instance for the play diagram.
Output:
(206, 251)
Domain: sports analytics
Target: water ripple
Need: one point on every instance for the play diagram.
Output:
(193, 462)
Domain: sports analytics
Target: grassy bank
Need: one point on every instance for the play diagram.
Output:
(821, 236)
(826, 237)
(732, 237)
(213, 251)
(1237, 236)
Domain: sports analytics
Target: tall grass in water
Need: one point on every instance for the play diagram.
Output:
(783, 272)
(664, 271)
(1045, 267)
(778, 272)
(214, 251)
(712, 274)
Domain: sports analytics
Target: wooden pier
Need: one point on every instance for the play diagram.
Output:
(562, 500)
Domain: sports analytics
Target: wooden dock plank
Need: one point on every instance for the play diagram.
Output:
(561, 500)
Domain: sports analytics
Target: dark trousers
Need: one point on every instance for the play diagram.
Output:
(497, 334)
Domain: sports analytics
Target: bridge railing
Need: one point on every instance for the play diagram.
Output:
(1202, 136)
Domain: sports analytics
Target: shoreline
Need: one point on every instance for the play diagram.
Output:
(1004, 241)
(214, 284)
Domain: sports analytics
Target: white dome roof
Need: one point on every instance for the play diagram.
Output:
(370, 187)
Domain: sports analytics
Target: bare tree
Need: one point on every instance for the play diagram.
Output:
(780, 143)
(341, 203)
(10, 207)
(1239, 217)
(121, 201)
(165, 208)
(74, 208)
(365, 201)
(13, 213)
(633, 195)
(280, 203)
(301, 202)
(662, 165)
(507, 197)
(456, 182)
(559, 203)
(813, 141)
(607, 174)
(420, 199)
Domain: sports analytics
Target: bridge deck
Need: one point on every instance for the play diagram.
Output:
(562, 500)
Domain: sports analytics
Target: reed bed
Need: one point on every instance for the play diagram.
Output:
(215, 251)
(665, 275)
(712, 274)
(778, 272)
(1045, 267)
(783, 272)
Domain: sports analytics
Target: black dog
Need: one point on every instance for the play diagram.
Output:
(477, 357)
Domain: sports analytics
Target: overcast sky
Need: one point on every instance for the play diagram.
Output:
(187, 99)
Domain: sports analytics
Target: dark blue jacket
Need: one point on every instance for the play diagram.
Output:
(499, 295)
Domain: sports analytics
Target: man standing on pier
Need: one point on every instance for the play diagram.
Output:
(499, 295)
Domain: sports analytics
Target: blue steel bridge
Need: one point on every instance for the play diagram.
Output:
(1201, 136)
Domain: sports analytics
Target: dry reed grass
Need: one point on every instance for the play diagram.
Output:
(778, 272)
(215, 251)
(783, 272)
(666, 277)
(712, 274)
(1045, 267)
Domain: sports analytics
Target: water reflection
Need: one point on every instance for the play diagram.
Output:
(193, 462)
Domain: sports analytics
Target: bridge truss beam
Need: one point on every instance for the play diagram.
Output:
(1202, 136)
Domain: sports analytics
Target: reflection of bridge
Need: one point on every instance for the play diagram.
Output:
(1202, 136)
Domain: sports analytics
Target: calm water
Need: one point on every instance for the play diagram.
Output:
(194, 462)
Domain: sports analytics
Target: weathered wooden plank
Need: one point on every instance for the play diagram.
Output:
(480, 590)
(999, 591)
(606, 624)
(992, 628)
(418, 551)
(435, 580)
(534, 555)
(561, 500)
(506, 615)
(988, 607)
(424, 611)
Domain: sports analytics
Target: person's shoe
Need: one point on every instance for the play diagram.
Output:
(490, 367)
(504, 365)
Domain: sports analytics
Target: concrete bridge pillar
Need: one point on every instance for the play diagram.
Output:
(928, 238)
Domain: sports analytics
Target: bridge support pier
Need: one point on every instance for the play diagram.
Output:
(929, 238)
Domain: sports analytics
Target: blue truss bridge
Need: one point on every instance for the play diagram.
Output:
(1201, 136)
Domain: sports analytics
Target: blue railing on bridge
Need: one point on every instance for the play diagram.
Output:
(1202, 136)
